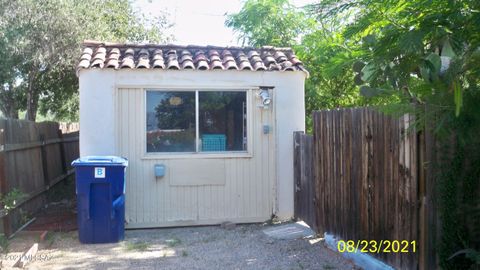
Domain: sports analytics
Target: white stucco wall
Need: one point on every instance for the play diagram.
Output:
(98, 110)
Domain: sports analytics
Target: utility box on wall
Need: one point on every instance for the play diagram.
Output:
(159, 170)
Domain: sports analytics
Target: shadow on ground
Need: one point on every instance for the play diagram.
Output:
(244, 247)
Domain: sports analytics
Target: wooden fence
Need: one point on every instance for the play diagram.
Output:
(305, 203)
(33, 158)
(362, 179)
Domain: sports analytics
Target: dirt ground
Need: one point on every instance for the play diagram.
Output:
(211, 247)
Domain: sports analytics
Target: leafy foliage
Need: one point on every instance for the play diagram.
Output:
(318, 44)
(268, 22)
(40, 42)
(327, 56)
(416, 48)
(11, 199)
(425, 54)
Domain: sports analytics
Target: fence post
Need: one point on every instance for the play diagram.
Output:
(3, 178)
(43, 153)
(62, 151)
(297, 172)
(431, 217)
(422, 210)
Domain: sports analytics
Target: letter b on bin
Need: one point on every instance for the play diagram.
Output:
(100, 188)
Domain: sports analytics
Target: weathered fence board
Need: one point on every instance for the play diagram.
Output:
(304, 186)
(33, 157)
(364, 176)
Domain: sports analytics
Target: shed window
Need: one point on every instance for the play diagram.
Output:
(196, 121)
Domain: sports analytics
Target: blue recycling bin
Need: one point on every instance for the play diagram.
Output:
(100, 188)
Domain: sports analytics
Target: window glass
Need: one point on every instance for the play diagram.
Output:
(222, 121)
(170, 121)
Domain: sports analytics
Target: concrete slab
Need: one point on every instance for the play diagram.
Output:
(290, 231)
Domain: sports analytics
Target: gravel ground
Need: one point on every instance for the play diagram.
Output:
(244, 247)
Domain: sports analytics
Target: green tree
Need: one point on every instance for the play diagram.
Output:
(426, 54)
(419, 49)
(326, 55)
(268, 22)
(40, 42)
(319, 44)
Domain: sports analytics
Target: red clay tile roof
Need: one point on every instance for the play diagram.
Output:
(153, 56)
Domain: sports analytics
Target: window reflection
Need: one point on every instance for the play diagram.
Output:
(170, 121)
(222, 121)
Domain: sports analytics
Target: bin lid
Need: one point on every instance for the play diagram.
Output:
(100, 161)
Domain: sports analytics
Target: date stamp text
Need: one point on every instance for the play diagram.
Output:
(374, 246)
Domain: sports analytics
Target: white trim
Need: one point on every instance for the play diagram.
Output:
(116, 124)
(189, 222)
(250, 114)
(188, 87)
(197, 123)
(200, 155)
(275, 204)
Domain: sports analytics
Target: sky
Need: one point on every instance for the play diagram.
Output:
(199, 22)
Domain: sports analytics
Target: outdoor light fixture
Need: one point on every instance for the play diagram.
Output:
(265, 97)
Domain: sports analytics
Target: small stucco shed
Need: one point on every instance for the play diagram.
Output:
(208, 131)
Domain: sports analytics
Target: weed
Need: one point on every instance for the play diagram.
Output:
(272, 221)
(328, 267)
(300, 265)
(11, 199)
(136, 246)
(210, 239)
(184, 253)
(173, 242)
(4, 243)
(63, 190)
(50, 239)
(24, 216)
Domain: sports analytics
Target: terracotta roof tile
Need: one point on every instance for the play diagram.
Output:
(229, 60)
(87, 50)
(274, 66)
(112, 63)
(112, 58)
(260, 66)
(172, 60)
(86, 56)
(186, 60)
(136, 56)
(83, 64)
(129, 51)
(242, 58)
(97, 63)
(157, 59)
(287, 65)
(280, 57)
(201, 60)
(143, 63)
(268, 59)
